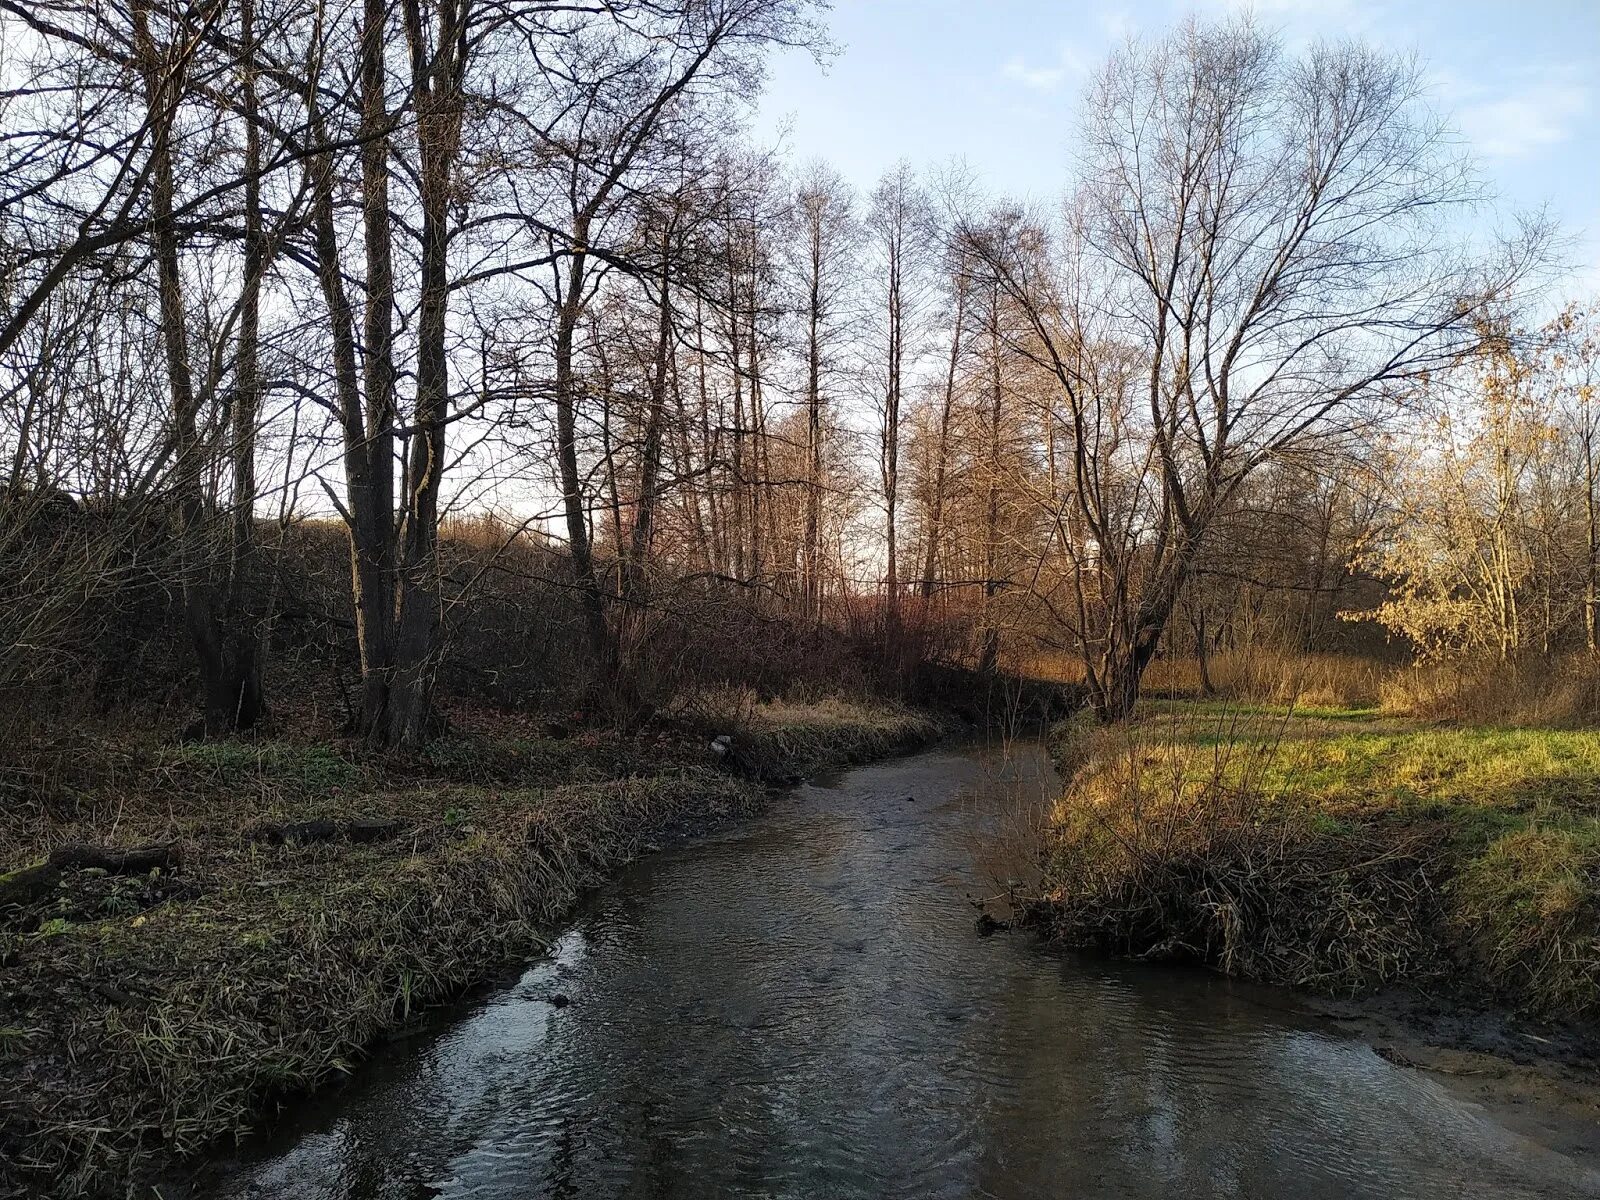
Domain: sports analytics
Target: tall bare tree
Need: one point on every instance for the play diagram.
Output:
(824, 253)
(900, 223)
(1272, 235)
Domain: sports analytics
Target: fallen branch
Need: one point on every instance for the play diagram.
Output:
(28, 883)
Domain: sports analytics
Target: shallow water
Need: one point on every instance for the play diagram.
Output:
(800, 1007)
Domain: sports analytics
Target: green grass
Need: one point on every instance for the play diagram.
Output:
(1357, 759)
(292, 766)
(1499, 827)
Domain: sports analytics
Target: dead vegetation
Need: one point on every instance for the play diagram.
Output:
(316, 899)
(1341, 851)
(1280, 903)
(782, 741)
(1558, 690)
(1268, 675)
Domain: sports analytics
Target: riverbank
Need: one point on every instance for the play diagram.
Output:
(800, 1006)
(1343, 851)
(296, 902)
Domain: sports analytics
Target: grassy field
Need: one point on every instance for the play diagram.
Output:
(317, 899)
(1336, 848)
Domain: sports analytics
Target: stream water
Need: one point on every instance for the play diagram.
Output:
(800, 1007)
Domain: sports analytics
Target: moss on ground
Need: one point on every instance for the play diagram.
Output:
(145, 1017)
(1337, 849)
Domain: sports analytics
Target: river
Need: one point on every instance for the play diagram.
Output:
(800, 1006)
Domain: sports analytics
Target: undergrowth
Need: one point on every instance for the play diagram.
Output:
(146, 1016)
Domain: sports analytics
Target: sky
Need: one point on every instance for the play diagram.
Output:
(997, 82)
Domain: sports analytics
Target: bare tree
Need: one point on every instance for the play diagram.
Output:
(1271, 235)
(900, 223)
(824, 253)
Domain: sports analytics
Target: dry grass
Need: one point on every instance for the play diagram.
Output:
(781, 740)
(777, 741)
(1255, 675)
(163, 1030)
(145, 1017)
(1337, 849)
(1177, 845)
(1558, 691)
(1270, 676)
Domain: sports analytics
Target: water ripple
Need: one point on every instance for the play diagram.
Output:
(799, 1008)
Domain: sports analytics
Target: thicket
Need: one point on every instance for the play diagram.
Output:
(107, 640)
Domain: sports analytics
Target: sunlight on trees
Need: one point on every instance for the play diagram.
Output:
(414, 264)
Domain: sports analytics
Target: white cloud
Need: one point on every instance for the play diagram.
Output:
(1524, 121)
(1069, 63)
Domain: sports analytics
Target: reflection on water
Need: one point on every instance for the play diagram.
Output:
(800, 1008)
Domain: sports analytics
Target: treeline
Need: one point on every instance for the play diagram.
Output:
(506, 291)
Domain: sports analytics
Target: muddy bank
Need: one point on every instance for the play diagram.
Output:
(316, 903)
(1541, 1081)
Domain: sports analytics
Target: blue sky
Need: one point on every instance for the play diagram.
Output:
(996, 82)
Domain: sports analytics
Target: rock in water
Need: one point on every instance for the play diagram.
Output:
(988, 926)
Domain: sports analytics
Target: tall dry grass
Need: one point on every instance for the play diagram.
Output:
(1555, 690)
(1558, 690)
(1267, 675)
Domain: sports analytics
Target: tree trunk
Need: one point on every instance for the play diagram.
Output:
(1202, 652)
(572, 498)
(761, 538)
(373, 565)
(989, 657)
(636, 578)
(1131, 649)
(743, 531)
(891, 431)
(811, 547)
(437, 87)
(367, 537)
(243, 614)
(942, 455)
(219, 691)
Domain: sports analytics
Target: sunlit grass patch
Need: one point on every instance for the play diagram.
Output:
(780, 739)
(1197, 830)
(1359, 759)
